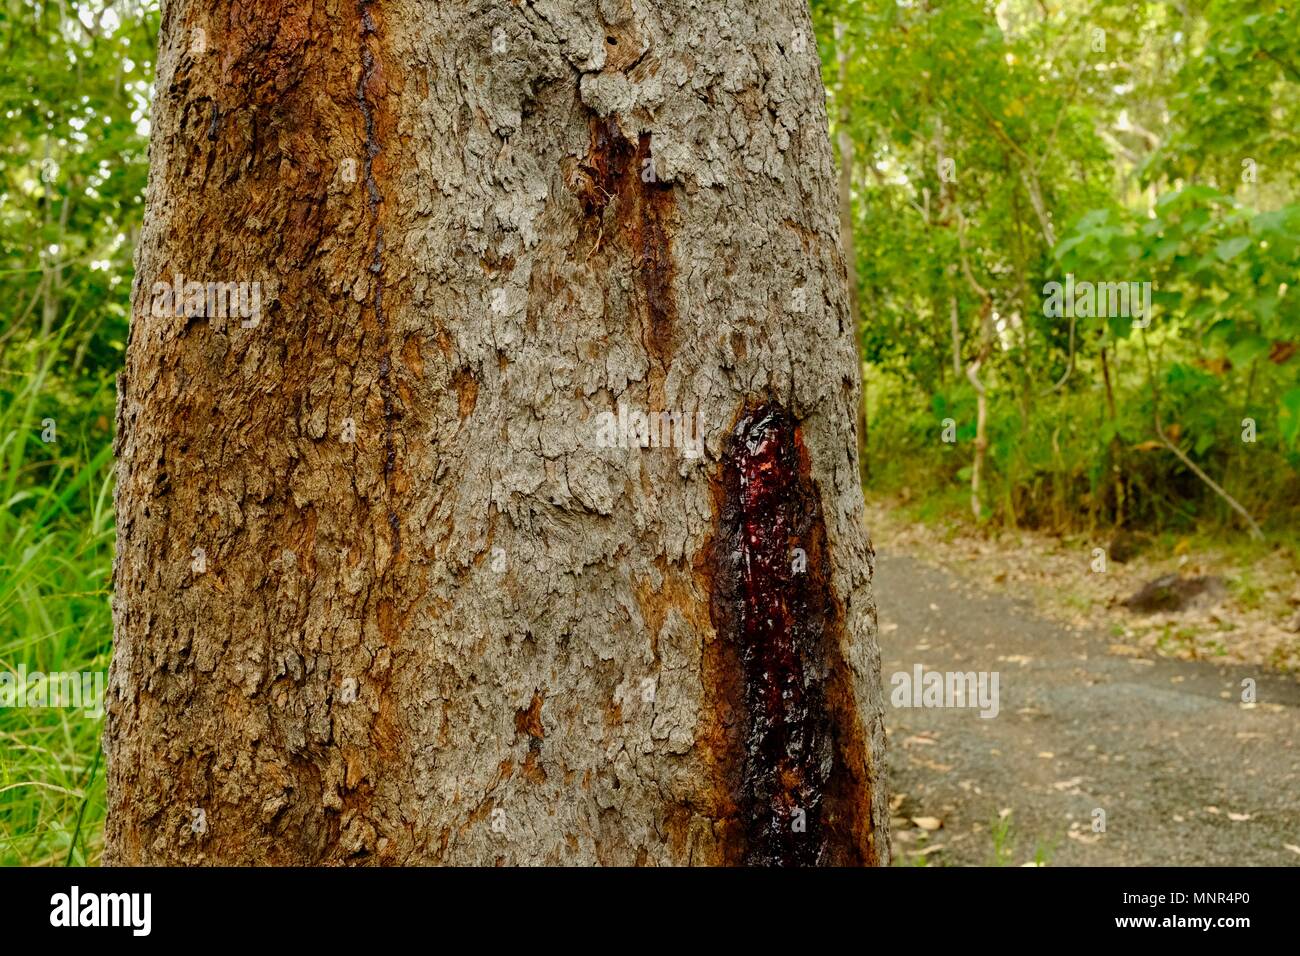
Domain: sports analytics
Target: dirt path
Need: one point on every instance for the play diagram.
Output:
(1185, 773)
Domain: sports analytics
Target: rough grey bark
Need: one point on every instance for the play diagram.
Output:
(433, 618)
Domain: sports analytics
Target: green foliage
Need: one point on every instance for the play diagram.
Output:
(1000, 148)
(57, 524)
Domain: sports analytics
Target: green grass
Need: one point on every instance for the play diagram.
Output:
(1000, 832)
(56, 553)
(1002, 848)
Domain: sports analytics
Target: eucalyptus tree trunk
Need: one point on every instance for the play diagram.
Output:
(488, 489)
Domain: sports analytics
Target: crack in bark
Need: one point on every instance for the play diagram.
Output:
(617, 176)
(375, 201)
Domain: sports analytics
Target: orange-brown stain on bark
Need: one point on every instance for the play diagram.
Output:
(412, 356)
(532, 770)
(613, 715)
(466, 386)
(632, 216)
(687, 589)
(529, 720)
(355, 762)
(387, 621)
(623, 43)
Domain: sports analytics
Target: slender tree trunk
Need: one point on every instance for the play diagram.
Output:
(410, 567)
(973, 372)
(981, 432)
(1115, 449)
(954, 322)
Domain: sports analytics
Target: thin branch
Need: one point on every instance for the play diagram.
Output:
(1255, 531)
(1286, 67)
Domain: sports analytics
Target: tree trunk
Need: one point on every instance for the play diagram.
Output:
(954, 328)
(973, 371)
(410, 567)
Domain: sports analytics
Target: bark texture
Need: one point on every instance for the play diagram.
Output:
(434, 619)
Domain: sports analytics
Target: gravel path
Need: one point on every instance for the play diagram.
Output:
(1185, 773)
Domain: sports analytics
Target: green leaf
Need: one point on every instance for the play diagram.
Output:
(1229, 249)
(1248, 349)
(1265, 306)
(1166, 249)
(1290, 416)
(1222, 331)
(1066, 244)
(1274, 223)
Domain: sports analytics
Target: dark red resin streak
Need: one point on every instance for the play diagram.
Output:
(776, 611)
